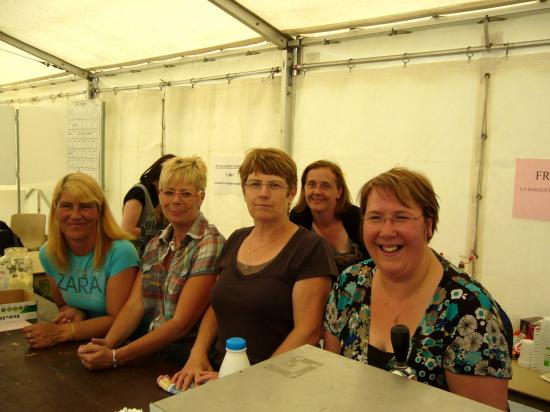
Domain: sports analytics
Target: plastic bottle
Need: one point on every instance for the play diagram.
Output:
(235, 358)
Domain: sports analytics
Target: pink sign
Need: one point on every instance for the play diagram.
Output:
(532, 189)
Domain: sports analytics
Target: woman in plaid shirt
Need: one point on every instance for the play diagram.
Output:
(178, 270)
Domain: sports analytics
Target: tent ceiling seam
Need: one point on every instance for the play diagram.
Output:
(49, 59)
(432, 23)
(394, 18)
(468, 52)
(193, 55)
(254, 22)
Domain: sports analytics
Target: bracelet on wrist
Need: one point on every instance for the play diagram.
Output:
(115, 362)
(73, 331)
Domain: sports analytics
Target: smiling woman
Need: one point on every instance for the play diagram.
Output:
(90, 263)
(461, 336)
(325, 207)
(178, 270)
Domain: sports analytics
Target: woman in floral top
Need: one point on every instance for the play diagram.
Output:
(459, 341)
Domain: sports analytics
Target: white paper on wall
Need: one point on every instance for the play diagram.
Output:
(84, 138)
(226, 175)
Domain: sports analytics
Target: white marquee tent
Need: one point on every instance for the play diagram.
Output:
(456, 89)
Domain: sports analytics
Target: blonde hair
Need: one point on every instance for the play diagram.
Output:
(406, 185)
(84, 188)
(269, 161)
(345, 199)
(189, 170)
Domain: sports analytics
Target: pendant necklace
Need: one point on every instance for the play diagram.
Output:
(387, 305)
(251, 249)
(172, 245)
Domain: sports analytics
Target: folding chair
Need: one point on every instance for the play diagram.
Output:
(31, 229)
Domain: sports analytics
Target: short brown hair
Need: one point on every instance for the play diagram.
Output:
(269, 161)
(341, 204)
(405, 185)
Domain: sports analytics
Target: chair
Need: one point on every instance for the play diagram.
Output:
(31, 229)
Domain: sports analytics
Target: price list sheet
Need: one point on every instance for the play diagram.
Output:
(84, 137)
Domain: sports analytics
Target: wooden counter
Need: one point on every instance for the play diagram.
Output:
(53, 379)
(528, 382)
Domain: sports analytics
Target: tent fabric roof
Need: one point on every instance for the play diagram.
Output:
(95, 33)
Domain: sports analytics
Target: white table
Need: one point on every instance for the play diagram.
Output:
(310, 379)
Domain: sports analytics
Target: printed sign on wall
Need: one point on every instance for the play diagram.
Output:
(226, 175)
(532, 189)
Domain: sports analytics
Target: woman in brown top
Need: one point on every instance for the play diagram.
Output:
(275, 276)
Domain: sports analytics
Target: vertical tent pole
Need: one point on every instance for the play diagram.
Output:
(17, 161)
(286, 101)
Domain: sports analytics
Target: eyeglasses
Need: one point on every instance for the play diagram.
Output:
(399, 220)
(256, 186)
(322, 185)
(185, 195)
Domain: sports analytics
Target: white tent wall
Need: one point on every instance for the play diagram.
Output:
(42, 155)
(514, 252)
(223, 119)
(375, 119)
(426, 116)
(132, 140)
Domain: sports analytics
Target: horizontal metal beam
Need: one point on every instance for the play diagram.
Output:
(468, 52)
(188, 53)
(189, 58)
(254, 22)
(271, 71)
(48, 58)
(422, 24)
(394, 18)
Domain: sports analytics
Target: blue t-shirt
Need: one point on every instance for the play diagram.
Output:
(83, 287)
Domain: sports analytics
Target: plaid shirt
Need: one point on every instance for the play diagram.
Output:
(198, 254)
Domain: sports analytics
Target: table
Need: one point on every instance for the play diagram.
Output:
(53, 379)
(311, 379)
(528, 382)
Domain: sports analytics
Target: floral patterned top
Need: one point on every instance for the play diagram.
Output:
(461, 331)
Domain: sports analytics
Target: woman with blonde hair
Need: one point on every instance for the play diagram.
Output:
(274, 276)
(178, 269)
(89, 261)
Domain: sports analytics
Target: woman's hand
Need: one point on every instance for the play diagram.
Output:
(69, 314)
(205, 376)
(96, 354)
(44, 335)
(196, 371)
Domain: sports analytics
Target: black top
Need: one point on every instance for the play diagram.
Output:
(258, 307)
(351, 219)
(378, 357)
(137, 193)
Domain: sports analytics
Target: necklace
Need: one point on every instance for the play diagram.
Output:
(395, 314)
(172, 245)
(415, 292)
(251, 250)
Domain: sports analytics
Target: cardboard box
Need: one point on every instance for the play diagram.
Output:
(17, 304)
